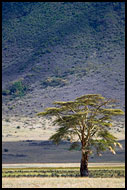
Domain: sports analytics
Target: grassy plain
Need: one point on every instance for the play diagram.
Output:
(64, 177)
(94, 172)
(64, 182)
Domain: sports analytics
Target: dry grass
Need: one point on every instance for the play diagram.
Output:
(35, 129)
(62, 165)
(30, 129)
(63, 182)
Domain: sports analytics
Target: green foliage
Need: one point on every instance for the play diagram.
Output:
(31, 31)
(16, 89)
(51, 111)
(112, 111)
(5, 92)
(62, 133)
(62, 172)
(75, 146)
(54, 81)
(89, 118)
(47, 24)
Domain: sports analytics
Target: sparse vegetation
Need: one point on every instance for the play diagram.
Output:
(18, 127)
(59, 40)
(5, 150)
(5, 92)
(54, 81)
(7, 120)
(16, 89)
(64, 172)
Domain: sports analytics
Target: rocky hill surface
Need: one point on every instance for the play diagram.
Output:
(59, 51)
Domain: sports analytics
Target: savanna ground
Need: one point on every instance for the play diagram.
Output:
(64, 177)
(25, 141)
(69, 182)
(26, 151)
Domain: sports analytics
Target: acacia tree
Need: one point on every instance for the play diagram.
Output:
(89, 118)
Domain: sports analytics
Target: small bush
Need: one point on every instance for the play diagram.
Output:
(54, 82)
(5, 150)
(7, 120)
(5, 92)
(17, 89)
(10, 107)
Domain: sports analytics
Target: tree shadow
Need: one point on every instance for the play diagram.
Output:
(31, 151)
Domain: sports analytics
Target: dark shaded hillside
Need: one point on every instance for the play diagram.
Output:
(60, 51)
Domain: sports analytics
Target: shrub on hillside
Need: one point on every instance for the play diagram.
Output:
(5, 92)
(52, 81)
(17, 89)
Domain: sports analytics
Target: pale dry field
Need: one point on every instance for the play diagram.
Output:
(30, 129)
(26, 140)
(62, 165)
(35, 128)
(36, 182)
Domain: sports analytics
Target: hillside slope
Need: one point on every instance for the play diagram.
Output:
(59, 51)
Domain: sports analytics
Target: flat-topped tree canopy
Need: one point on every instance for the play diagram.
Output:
(84, 105)
(50, 111)
(89, 118)
(112, 111)
(94, 100)
(88, 96)
(69, 103)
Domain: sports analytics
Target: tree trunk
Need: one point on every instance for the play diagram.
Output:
(84, 165)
